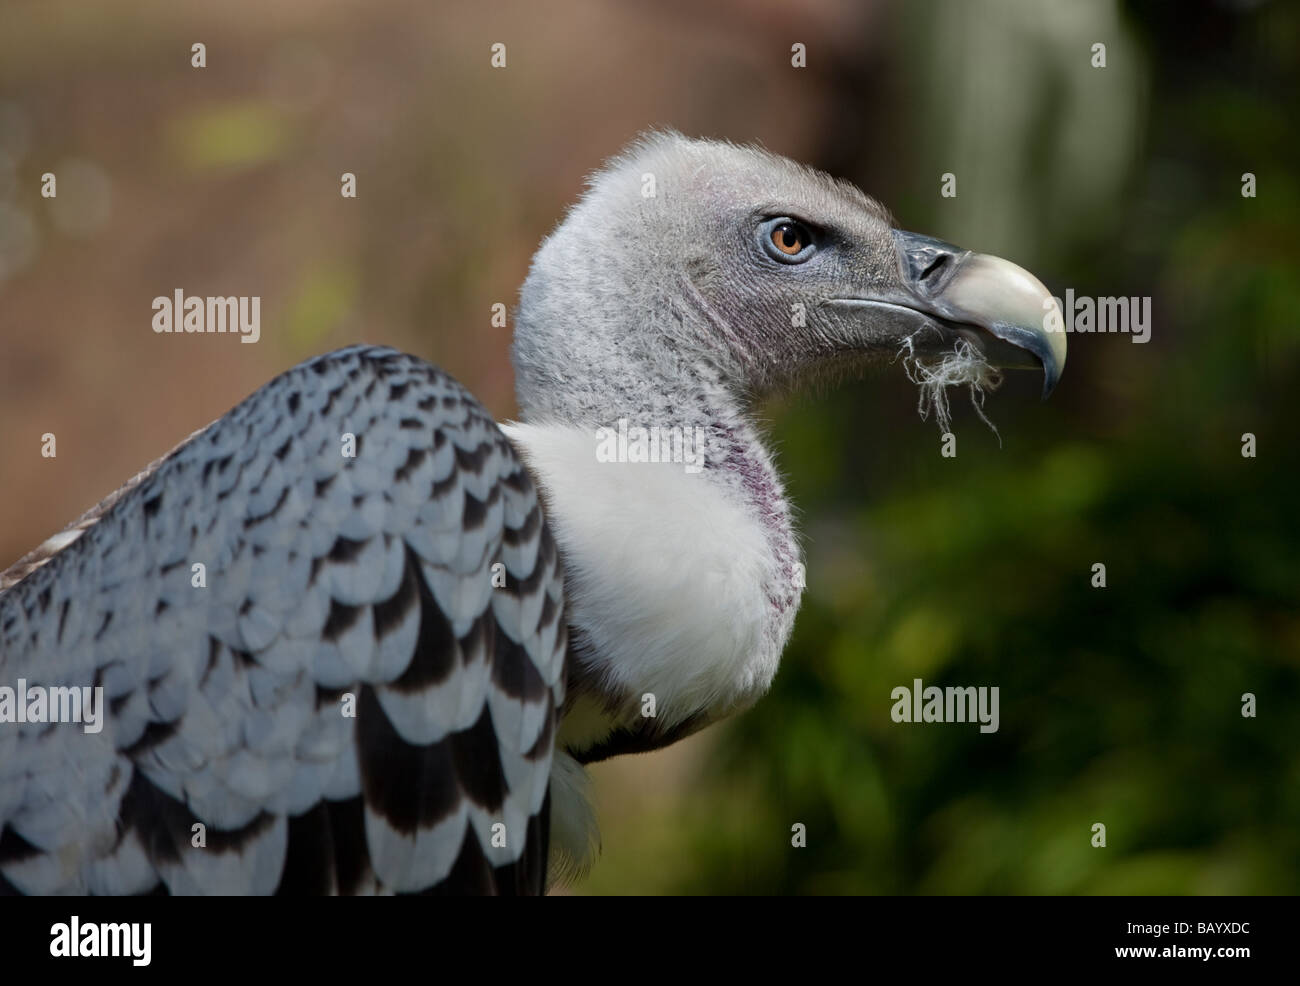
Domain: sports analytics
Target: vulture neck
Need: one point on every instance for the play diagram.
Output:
(682, 576)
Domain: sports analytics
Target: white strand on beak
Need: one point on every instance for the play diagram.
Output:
(935, 374)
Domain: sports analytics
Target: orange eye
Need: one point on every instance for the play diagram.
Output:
(790, 238)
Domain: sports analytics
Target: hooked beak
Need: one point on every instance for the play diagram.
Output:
(1008, 306)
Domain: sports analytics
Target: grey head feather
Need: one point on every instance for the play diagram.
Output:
(655, 274)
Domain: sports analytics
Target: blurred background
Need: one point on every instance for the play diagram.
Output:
(1119, 705)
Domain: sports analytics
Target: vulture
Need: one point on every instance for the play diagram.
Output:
(355, 636)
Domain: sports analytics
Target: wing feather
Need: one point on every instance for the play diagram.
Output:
(313, 682)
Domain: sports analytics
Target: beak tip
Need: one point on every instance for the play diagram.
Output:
(1051, 377)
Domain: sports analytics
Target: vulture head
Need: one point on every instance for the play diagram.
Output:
(732, 265)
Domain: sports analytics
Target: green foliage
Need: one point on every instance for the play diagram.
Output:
(230, 136)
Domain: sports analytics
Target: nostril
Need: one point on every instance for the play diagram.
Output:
(925, 263)
(936, 267)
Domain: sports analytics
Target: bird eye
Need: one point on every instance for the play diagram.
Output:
(788, 240)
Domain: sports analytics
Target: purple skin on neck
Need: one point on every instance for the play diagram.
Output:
(762, 487)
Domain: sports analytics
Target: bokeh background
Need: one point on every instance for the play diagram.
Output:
(1118, 705)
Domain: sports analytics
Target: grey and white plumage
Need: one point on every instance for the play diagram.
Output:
(326, 576)
(477, 704)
